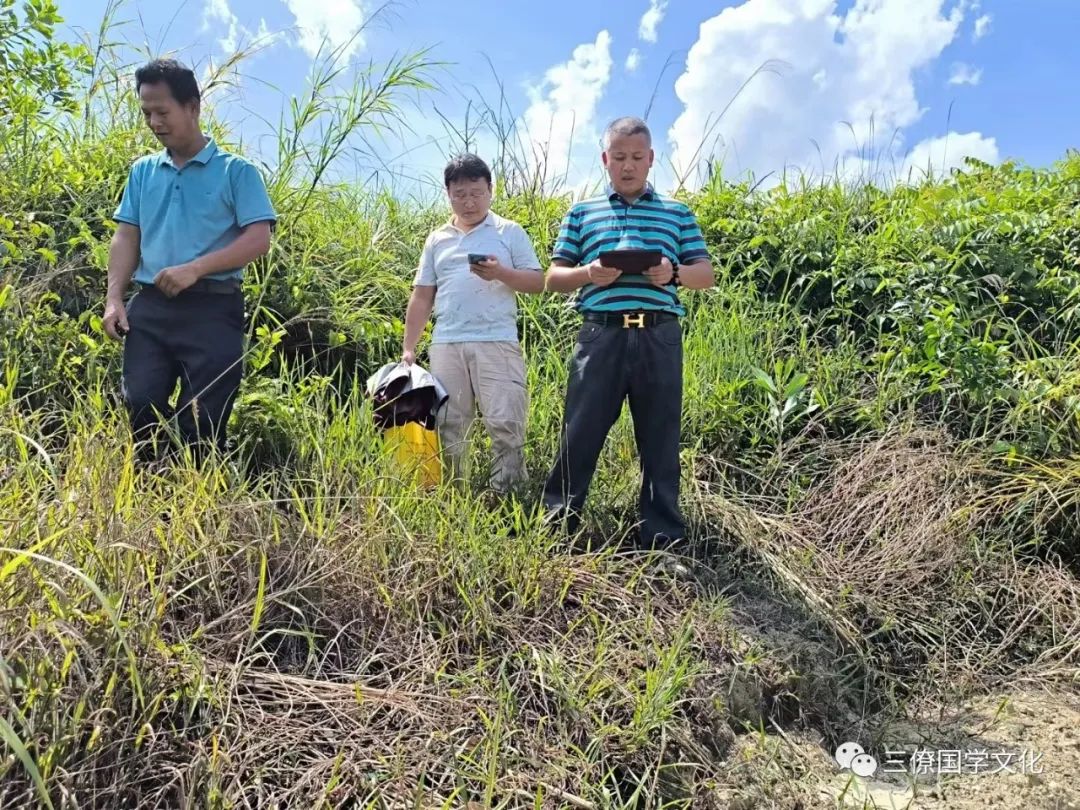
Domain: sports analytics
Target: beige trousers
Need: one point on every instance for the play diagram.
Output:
(492, 376)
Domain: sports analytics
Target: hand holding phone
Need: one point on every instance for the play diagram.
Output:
(486, 267)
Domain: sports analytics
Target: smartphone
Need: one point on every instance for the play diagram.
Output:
(478, 258)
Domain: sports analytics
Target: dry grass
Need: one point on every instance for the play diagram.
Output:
(195, 643)
(900, 551)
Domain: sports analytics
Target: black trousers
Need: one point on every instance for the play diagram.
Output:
(609, 365)
(195, 338)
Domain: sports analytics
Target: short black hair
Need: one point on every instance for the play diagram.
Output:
(627, 125)
(466, 166)
(180, 79)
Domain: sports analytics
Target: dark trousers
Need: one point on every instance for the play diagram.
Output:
(609, 365)
(195, 338)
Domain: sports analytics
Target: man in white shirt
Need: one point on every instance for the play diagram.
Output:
(470, 271)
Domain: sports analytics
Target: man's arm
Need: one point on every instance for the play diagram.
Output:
(523, 281)
(253, 242)
(123, 259)
(523, 275)
(417, 315)
(697, 275)
(564, 277)
(565, 274)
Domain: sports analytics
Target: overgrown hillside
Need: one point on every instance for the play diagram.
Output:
(882, 425)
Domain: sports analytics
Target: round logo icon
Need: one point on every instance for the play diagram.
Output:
(847, 752)
(863, 765)
(851, 755)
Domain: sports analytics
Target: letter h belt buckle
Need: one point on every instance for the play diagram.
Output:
(633, 319)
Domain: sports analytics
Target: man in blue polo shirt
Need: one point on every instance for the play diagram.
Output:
(191, 218)
(630, 344)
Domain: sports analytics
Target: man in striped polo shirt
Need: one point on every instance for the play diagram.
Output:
(630, 343)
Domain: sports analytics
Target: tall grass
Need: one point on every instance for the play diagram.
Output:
(880, 431)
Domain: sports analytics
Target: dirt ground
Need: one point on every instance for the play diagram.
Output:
(1016, 749)
(1032, 741)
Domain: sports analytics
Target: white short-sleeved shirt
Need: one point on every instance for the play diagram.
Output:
(467, 308)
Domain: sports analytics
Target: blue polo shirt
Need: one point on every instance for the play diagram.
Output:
(185, 213)
(651, 222)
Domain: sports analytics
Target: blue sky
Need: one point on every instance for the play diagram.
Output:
(850, 85)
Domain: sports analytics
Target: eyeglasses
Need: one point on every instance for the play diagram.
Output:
(475, 196)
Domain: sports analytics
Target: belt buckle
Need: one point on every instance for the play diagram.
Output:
(633, 319)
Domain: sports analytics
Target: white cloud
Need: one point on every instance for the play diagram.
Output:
(844, 92)
(936, 156)
(651, 19)
(932, 157)
(329, 23)
(562, 111)
(265, 37)
(633, 60)
(964, 74)
(218, 15)
(982, 26)
(556, 138)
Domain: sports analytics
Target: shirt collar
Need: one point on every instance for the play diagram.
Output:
(206, 153)
(648, 194)
(203, 156)
(488, 220)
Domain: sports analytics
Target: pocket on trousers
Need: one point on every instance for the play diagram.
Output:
(589, 332)
(513, 363)
(236, 311)
(670, 333)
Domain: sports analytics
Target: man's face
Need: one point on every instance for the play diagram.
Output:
(628, 159)
(470, 199)
(174, 124)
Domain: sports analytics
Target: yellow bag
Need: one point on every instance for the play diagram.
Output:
(415, 453)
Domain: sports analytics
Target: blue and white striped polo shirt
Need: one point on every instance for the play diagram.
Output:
(651, 222)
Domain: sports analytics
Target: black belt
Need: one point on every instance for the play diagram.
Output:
(630, 320)
(205, 285)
